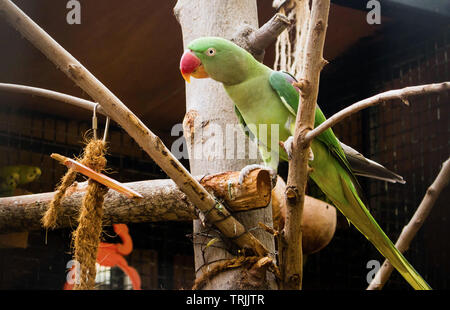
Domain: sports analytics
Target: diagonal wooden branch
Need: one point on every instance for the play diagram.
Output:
(403, 94)
(116, 110)
(292, 257)
(416, 222)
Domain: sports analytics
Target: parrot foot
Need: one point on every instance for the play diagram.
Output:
(311, 155)
(287, 145)
(247, 169)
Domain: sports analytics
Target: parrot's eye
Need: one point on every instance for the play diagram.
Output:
(211, 51)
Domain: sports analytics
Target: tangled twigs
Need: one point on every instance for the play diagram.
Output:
(254, 271)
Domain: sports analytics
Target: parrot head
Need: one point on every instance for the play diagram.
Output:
(214, 57)
(29, 174)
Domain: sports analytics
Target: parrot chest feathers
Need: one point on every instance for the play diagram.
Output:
(260, 105)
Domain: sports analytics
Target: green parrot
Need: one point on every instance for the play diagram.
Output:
(264, 96)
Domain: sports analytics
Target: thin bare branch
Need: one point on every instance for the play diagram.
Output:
(410, 230)
(403, 94)
(215, 212)
(50, 94)
(292, 256)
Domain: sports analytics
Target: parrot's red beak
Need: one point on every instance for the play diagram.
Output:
(191, 65)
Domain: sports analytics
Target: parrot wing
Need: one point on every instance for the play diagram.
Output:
(281, 82)
(242, 122)
(368, 168)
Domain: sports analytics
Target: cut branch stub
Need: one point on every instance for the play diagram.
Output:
(255, 191)
(257, 40)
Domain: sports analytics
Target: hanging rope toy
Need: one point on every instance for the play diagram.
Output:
(86, 237)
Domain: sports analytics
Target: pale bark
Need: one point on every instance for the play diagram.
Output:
(313, 62)
(209, 107)
(257, 40)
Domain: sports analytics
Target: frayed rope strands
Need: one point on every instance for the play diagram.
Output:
(87, 235)
(49, 220)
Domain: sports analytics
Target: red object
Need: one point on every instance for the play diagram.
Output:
(190, 64)
(112, 254)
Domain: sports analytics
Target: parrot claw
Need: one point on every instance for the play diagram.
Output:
(247, 169)
(287, 145)
(311, 155)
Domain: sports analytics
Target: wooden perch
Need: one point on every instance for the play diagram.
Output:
(162, 201)
(116, 110)
(313, 62)
(416, 222)
(403, 94)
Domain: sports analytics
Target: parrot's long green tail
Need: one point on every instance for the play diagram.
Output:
(367, 225)
(337, 183)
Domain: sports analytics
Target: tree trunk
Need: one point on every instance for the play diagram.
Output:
(209, 109)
